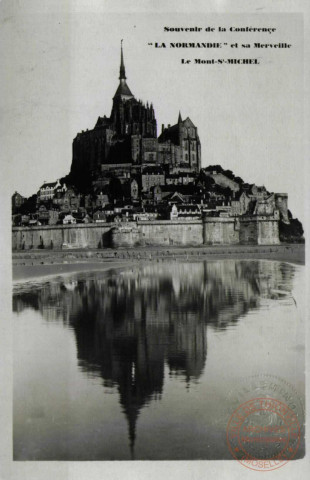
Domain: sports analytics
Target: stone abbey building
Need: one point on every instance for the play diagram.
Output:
(126, 142)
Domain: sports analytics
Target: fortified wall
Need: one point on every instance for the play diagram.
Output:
(58, 236)
(259, 230)
(208, 231)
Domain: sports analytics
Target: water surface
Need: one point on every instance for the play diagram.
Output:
(144, 363)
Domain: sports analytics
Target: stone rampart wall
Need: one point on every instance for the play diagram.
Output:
(56, 236)
(262, 230)
(220, 231)
(162, 232)
(172, 233)
(209, 231)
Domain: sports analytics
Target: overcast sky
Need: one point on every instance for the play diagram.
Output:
(61, 71)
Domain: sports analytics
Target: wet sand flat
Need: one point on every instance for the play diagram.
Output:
(38, 263)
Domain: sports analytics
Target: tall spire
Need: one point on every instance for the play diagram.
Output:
(180, 118)
(122, 74)
(123, 92)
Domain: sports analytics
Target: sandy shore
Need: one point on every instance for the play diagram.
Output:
(40, 263)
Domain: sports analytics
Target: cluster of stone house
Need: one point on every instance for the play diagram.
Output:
(150, 197)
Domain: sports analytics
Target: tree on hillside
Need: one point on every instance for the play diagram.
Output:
(29, 206)
(292, 232)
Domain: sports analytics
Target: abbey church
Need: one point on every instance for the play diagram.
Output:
(126, 142)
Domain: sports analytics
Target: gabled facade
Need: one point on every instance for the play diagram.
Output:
(69, 219)
(240, 203)
(179, 146)
(47, 191)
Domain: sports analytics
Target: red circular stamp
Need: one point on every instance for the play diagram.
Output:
(263, 434)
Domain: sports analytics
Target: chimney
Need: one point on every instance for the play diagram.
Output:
(162, 127)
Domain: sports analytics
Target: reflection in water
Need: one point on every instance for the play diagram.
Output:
(129, 326)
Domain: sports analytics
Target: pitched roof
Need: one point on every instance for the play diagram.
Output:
(188, 123)
(123, 90)
(103, 121)
(172, 133)
(175, 196)
(238, 195)
(49, 185)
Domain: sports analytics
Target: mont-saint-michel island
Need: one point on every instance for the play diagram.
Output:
(154, 293)
(130, 187)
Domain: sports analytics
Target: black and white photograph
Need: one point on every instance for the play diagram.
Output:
(155, 178)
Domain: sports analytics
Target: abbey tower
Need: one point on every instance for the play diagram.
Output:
(127, 141)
